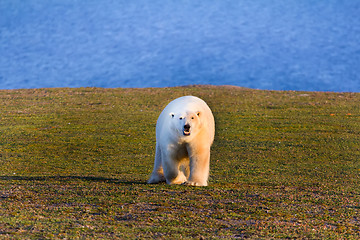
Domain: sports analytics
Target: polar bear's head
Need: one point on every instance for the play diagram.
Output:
(186, 124)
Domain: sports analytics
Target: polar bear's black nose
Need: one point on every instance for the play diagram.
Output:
(186, 129)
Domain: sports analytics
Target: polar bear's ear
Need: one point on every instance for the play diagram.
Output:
(172, 115)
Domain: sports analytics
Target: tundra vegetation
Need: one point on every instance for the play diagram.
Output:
(74, 164)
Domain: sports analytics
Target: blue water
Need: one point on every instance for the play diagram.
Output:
(264, 44)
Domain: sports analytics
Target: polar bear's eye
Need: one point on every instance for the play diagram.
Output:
(192, 117)
(180, 118)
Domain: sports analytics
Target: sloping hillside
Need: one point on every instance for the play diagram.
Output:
(74, 163)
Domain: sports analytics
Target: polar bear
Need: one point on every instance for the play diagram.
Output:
(185, 132)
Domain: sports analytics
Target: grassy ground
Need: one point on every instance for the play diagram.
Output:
(74, 164)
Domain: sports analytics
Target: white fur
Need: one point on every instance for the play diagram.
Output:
(183, 156)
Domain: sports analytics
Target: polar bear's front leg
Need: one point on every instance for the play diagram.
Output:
(172, 173)
(199, 168)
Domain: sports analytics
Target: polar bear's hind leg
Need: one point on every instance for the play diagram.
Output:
(158, 172)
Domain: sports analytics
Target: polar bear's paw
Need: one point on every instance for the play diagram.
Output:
(180, 179)
(156, 178)
(197, 184)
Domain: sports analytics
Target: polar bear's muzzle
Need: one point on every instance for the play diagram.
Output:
(186, 131)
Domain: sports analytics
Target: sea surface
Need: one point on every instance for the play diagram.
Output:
(263, 44)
